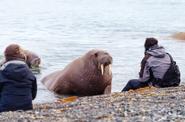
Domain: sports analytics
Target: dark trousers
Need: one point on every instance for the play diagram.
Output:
(134, 84)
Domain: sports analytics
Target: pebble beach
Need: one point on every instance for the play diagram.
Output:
(146, 104)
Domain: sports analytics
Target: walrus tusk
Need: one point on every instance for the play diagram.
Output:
(102, 69)
(110, 69)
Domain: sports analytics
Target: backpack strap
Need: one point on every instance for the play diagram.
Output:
(171, 59)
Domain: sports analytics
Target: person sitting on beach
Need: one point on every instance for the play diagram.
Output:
(18, 85)
(158, 68)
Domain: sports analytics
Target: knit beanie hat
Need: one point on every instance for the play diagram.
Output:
(149, 42)
(14, 52)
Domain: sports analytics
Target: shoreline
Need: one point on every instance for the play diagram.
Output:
(146, 104)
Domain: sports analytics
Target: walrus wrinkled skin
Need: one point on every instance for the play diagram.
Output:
(90, 74)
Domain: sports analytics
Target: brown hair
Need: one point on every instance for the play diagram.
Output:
(14, 52)
(149, 42)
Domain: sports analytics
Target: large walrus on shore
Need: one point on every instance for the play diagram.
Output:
(90, 74)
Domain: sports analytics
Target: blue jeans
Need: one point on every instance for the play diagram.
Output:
(134, 84)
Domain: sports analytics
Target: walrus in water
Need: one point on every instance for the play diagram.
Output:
(179, 36)
(90, 74)
(32, 59)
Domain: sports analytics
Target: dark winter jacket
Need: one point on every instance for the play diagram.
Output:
(157, 61)
(17, 86)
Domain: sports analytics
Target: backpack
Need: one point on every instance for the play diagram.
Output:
(171, 77)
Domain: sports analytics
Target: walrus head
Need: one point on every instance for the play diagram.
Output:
(32, 59)
(35, 62)
(101, 60)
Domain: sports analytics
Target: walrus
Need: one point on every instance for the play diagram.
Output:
(32, 59)
(179, 36)
(90, 74)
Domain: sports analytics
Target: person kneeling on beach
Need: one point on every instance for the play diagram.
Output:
(18, 85)
(158, 68)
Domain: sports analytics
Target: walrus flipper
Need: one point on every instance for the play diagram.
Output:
(107, 90)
